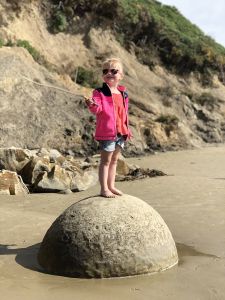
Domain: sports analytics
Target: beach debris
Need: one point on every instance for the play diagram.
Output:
(128, 172)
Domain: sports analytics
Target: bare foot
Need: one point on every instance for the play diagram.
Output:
(116, 192)
(107, 194)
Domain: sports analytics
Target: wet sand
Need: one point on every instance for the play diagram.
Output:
(191, 201)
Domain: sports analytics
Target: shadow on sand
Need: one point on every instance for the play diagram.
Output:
(26, 257)
(186, 250)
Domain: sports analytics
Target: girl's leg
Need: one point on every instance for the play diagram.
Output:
(112, 172)
(104, 172)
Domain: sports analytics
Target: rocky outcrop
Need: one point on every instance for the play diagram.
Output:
(99, 237)
(48, 171)
(11, 184)
(39, 116)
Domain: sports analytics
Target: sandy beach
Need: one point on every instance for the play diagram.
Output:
(191, 202)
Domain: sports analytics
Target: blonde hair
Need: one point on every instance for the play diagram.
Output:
(116, 62)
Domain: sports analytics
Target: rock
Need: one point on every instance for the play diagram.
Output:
(35, 168)
(89, 160)
(84, 181)
(12, 184)
(54, 154)
(99, 237)
(59, 179)
(123, 168)
(48, 174)
(66, 192)
(42, 152)
(13, 159)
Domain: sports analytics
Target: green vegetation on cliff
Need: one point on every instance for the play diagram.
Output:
(157, 33)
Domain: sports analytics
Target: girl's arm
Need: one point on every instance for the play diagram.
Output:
(95, 103)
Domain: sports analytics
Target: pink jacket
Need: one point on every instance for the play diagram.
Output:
(105, 113)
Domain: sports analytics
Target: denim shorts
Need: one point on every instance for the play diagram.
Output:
(110, 146)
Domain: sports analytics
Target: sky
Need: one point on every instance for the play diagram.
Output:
(208, 15)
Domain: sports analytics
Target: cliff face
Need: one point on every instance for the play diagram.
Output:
(34, 116)
(166, 111)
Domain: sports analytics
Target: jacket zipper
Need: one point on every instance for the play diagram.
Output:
(124, 104)
(114, 116)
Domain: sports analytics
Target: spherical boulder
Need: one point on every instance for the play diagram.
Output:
(108, 237)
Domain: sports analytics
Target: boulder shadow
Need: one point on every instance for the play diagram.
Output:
(186, 250)
(26, 257)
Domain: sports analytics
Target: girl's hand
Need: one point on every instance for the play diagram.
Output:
(90, 101)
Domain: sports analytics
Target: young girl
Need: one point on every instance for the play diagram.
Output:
(110, 105)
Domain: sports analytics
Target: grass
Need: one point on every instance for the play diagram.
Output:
(167, 119)
(157, 33)
(208, 101)
(1, 43)
(87, 78)
(39, 58)
(33, 52)
(59, 22)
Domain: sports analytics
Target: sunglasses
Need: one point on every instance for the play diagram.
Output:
(112, 71)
